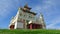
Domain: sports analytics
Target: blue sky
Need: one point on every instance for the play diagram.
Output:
(49, 8)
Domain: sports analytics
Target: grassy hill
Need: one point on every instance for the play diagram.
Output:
(34, 31)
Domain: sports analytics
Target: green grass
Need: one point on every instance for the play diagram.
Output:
(34, 31)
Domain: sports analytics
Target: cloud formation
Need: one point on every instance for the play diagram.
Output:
(51, 8)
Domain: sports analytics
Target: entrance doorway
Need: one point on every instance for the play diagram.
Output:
(12, 26)
(34, 26)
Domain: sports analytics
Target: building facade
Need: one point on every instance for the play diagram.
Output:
(26, 19)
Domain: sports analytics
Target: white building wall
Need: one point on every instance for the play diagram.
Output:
(15, 25)
(20, 25)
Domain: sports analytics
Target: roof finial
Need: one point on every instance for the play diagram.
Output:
(26, 6)
(41, 15)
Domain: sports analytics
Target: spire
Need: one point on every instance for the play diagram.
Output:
(42, 20)
(41, 15)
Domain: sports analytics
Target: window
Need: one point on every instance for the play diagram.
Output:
(30, 16)
(20, 14)
(27, 21)
(24, 15)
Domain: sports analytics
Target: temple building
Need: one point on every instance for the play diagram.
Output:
(26, 19)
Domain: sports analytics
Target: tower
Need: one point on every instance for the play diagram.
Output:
(41, 19)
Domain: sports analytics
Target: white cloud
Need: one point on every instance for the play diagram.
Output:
(6, 7)
(50, 8)
(53, 23)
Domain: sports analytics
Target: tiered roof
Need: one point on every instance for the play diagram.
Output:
(27, 9)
